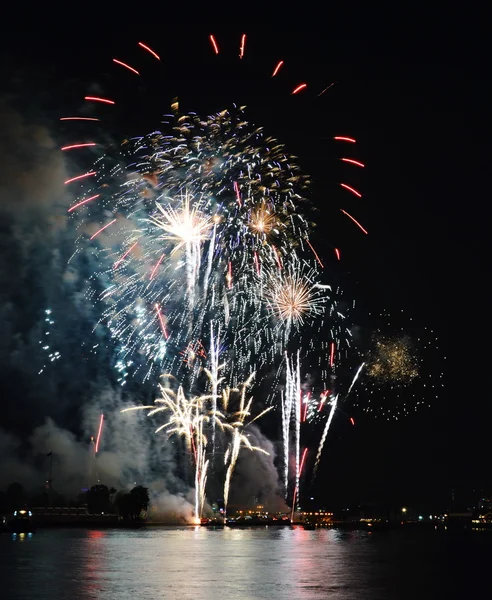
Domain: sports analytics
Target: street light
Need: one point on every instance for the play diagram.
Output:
(403, 510)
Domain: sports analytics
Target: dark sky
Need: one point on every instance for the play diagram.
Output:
(413, 86)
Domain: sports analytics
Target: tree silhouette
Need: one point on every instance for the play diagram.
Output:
(140, 499)
(98, 499)
(131, 505)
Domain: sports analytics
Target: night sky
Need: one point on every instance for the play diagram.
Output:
(413, 88)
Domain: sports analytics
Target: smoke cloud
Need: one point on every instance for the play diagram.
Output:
(255, 479)
(33, 168)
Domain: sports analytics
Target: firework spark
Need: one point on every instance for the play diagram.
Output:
(185, 226)
(293, 295)
(262, 220)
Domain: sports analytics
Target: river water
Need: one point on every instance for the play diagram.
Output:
(229, 564)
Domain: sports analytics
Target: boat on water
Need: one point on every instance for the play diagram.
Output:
(22, 522)
(309, 526)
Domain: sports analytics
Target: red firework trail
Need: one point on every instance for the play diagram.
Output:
(353, 162)
(354, 220)
(118, 262)
(315, 255)
(351, 189)
(82, 202)
(102, 229)
(214, 44)
(156, 266)
(73, 146)
(341, 138)
(337, 252)
(277, 257)
(154, 54)
(277, 68)
(122, 64)
(78, 119)
(324, 396)
(238, 193)
(97, 99)
(302, 461)
(352, 421)
(243, 43)
(99, 433)
(90, 174)
(161, 321)
(300, 87)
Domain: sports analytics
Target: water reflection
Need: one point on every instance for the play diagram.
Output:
(199, 563)
(93, 563)
(20, 537)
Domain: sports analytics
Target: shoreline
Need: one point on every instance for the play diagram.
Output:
(341, 526)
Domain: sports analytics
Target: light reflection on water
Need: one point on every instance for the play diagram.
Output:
(201, 563)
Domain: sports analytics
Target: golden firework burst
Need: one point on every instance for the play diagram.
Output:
(392, 360)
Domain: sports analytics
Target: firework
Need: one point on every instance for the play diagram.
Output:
(186, 420)
(213, 205)
(189, 417)
(293, 295)
(214, 201)
(301, 408)
(188, 228)
(263, 221)
(392, 361)
(200, 238)
(401, 371)
(291, 409)
(185, 226)
(241, 221)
